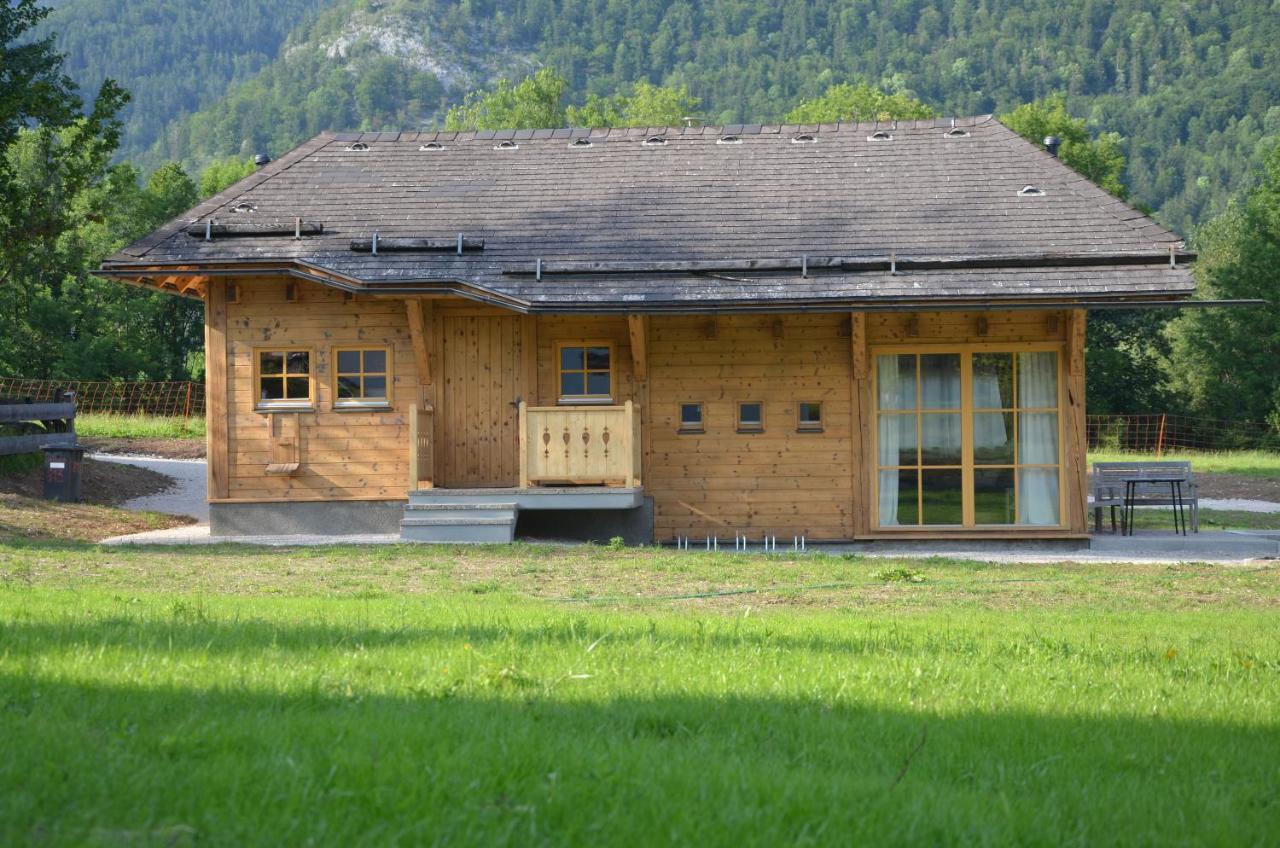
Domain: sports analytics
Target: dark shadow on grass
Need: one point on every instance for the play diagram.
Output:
(501, 758)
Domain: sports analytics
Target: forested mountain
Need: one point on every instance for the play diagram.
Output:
(1192, 87)
(173, 56)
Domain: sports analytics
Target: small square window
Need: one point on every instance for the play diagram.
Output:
(586, 374)
(809, 417)
(690, 418)
(284, 377)
(750, 417)
(362, 377)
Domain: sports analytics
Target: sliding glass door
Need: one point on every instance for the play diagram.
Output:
(968, 438)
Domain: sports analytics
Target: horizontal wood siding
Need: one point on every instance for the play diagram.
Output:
(345, 455)
(780, 481)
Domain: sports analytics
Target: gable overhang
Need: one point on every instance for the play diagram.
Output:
(190, 281)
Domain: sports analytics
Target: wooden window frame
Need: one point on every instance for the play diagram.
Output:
(586, 400)
(749, 428)
(966, 412)
(340, 404)
(701, 426)
(307, 405)
(803, 426)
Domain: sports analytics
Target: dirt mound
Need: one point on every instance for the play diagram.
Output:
(102, 483)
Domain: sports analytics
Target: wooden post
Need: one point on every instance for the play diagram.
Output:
(1077, 470)
(524, 445)
(1160, 436)
(633, 433)
(215, 381)
(860, 398)
(413, 447)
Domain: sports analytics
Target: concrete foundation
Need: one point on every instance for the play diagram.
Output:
(321, 518)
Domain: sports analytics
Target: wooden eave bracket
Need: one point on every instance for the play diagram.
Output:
(415, 309)
(638, 328)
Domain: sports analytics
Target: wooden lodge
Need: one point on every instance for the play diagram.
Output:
(841, 332)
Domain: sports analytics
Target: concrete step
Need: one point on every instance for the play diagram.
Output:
(466, 510)
(459, 522)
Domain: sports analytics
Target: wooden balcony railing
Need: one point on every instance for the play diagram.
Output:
(421, 450)
(580, 445)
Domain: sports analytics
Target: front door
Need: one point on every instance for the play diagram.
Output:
(482, 388)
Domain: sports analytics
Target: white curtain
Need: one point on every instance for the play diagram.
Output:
(1038, 438)
(989, 431)
(940, 389)
(891, 386)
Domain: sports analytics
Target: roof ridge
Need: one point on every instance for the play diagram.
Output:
(638, 132)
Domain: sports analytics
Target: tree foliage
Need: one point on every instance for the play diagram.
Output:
(646, 105)
(536, 102)
(1100, 158)
(862, 102)
(1227, 357)
(63, 207)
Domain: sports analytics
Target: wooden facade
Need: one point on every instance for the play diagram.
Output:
(458, 376)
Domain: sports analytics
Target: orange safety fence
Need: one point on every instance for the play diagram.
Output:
(178, 399)
(1162, 433)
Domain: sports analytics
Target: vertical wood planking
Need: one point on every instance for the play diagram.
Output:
(215, 345)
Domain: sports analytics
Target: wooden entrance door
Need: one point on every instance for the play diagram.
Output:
(482, 387)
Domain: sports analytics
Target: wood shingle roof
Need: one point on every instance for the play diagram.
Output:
(653, 219)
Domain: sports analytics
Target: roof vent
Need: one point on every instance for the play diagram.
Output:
(956, 132)
(655, 141)
(1051, 144)
(261, 159)
(244, 206)
(506, 145)
(1031, 191)
(359, 147)
(729, 139)
(432, 145)
(805, 138)
(581, 141)
(880, 135)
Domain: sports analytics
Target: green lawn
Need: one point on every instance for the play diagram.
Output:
(111, 426)
(536, 695)
(1264, 464)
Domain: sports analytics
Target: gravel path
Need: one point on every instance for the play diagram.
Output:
(185, 497)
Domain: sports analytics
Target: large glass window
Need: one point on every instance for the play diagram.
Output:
(967, 439)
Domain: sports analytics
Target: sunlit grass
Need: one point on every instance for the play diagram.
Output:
(108, 425)
(1246, 463)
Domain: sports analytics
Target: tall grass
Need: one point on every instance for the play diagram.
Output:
(108, 425)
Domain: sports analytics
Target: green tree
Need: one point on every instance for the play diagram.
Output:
(533, 103)
(224, 173)
(1227, 358)
(49, 150)
(845, 102)
(1100, 159)
(647, 105)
